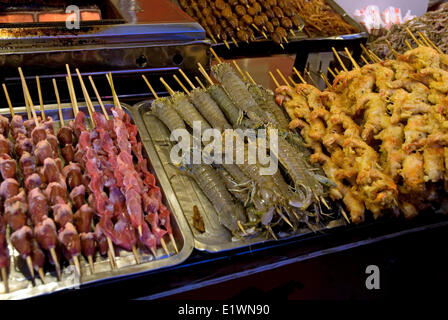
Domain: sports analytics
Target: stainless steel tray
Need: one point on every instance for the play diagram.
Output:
(216, 238)
(21, 288)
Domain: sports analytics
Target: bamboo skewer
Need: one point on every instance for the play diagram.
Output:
(355, 65)
(364, 59)
(58, 100)
(111, 253)
(54, 257)
(77, 266)
(292, 81)
(204, 73)
(241, 227)
(165, 248)
(408, 44)
(72, 88)
(431, 44)
(414, 38)
(331, 71)
(226, 44)
(311, 78)
(187, 79)
(181, 85)
(322, 75)
(40, 271)
(28, 97)
(283, 77)
(41, 100)
(150, 87)
(92, 268)
(29, 263)
(200, 82)
(299, 75)
(367, 53)
(215, 55)
(235, 42)
(394, 52)
(173, 241)
(89, 104)
(211, 36)
(337, 71)
(239, 70)
(8, 100)
(98, 98)
(339, 59)
(170, 91)
(114, 93)
(5, 279)
(274, 79)
(375, 56)
(250, 77)
(135, 253)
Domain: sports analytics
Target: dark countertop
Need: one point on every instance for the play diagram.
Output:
(411, 256)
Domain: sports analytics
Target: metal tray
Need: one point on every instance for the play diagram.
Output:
(216, 238)
(20, 287)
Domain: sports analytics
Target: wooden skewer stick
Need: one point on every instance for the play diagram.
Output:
(77, 266)
(173, 241)
(235, 42)
(250, 77)
(283, 77)
(239, 70)
(331, 71)
(292, 32)
(91, 267)
(271, 232)
(98, 97)
(86, 97)
(29, 263)
(284, 218)
(41, 275)
(339, 59)
(394, 52)
(292, 81)
(54, 257)
(375, 56)
(28, 97)
(322, 75)
(200, 82)
(310, 77)
(241, 228)
(413, 37)
(150, 87)
(154, 253)
(363, 59)
(111, 253)
(165, 248)
(367, 53)
(41, 100)
(216, 56)
(8, 100)
(408, 44)
(187, 79)
(58, 100)
(226, 44)
(211, 36)
(424, 39)
(431, 44)
(337, 71)
(286, 39)
(70, 92)
(181, 84)
(275, 80)
(136, 256)
(5, 279)
(112, 87)
(170, 91)
(205, 74)
(281, 45)
(355, 64)
(298, 74)
(73, 93)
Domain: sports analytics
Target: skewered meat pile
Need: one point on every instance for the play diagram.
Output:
(244, 20)
(100, 190)
(380, 133)
(433, 24)
(246, 201)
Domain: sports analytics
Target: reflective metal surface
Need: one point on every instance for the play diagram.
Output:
(21, 287)
(216, 238)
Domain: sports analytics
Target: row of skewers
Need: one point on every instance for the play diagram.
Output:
(378, 130)
(247, 203)
(96, 170)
